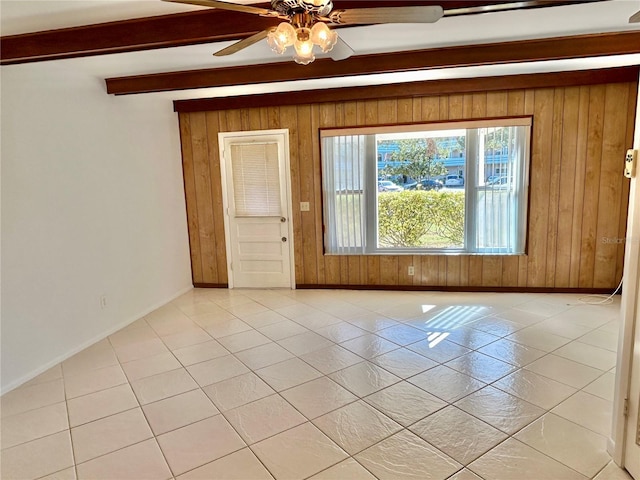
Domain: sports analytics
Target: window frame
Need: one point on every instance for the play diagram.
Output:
(370, 191)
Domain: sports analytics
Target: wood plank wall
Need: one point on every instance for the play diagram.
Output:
(578, 197)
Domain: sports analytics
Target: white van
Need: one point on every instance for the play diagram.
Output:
(454, 181)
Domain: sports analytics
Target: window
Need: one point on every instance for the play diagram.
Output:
(460, 187)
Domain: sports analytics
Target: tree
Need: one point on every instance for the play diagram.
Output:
(416, 159)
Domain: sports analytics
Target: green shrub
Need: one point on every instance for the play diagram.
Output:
(405, 218)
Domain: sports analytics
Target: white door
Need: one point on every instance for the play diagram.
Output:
(257, 205)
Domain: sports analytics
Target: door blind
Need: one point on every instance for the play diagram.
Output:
(256, 180)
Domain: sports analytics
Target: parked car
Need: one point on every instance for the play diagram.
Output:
(388, 186)
(454, 181)
(410, 185)
(431, 184)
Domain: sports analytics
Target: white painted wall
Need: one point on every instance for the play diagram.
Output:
(92, 204)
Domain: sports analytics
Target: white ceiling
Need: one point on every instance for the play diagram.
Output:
(21, 16)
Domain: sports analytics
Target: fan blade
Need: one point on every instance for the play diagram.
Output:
(367, 16)
(242, 44)
(635, 18)
(227, 6)
(341, 50)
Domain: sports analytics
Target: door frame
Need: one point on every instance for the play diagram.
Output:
(257, 136)
(628, 312)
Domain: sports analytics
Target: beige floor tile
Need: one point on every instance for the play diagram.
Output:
(217, 370)
(263, 319)
(109, 434)
(238, 391)
(263, 356)
(602, 387)
(200, 352)
(298, 453)
(372, 322)
(405, 403)
(341, 332)
(511, 352)
(168, 320)
(199, 443)
(563, 370)
(242, 341)
(27, 426)
(495, 326)
(438, 349)
(446, 383)
(93, 381)
(404, 455)
(541, 308)
(240, 465)
(23, 399)
(482, 367)
(458, 434)
(101, 404)
(149, 366)
(541, 391)
(587, 410)
(499, 409)
(200, 306)
(570, 444)
(66, 474)
(347, 469)
(247, 308)
(318, 397)
(54, 373)
(369, 346)
(96, 356)
(132, 334)
(538, 339)
(331, 359)
(163, 385)
(186, 338)
(178, 411)
(305, 343)
(520, 317)
(206, 320)
(513, 460)
(226, 327)
(364, 378)
(613, 472)
(404, 363)
(464, 474)
(595, 357)
(402, 334)
(37, 458)
(356, 426)
(263, 418)
(602, 338)
(288, 374)
(281, 330)
(139, 350)
(558, 326)
(316, 319)
(471, 338)
(142, 461)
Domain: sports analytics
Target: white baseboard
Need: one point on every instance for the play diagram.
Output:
(88, 343)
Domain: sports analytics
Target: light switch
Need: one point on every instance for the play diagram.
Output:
(304, 206)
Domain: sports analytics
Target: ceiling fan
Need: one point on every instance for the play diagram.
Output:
(305, 24)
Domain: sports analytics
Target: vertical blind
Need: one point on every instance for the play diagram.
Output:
(256, 180)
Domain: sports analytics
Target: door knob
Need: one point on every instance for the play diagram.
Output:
(282, 219)
(284, 239)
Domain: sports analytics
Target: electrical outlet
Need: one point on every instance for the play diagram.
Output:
(411, 270)
(304, 206)
(103, 301)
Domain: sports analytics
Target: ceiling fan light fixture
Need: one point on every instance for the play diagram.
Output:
(282, 37)
(322, 36)
(303, 46)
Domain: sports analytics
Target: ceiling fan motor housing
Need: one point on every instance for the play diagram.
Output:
(290, 7)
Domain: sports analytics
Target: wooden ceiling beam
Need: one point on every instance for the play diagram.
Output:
(197, 27)
(617, 43)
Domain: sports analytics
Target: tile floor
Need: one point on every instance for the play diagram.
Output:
(263, 384)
